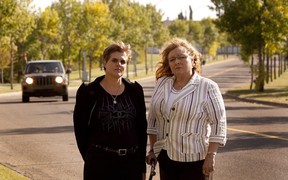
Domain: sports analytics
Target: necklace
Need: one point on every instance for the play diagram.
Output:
(115, 97)
(110, 90)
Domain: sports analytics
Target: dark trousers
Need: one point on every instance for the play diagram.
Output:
(172, 170)
(100, 165)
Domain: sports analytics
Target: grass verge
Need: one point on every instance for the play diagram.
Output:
(8, 174)
(275, 91)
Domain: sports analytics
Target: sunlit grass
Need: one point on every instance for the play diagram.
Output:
(276, 91)
(8, 174)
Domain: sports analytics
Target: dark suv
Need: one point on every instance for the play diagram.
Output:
(44, 78)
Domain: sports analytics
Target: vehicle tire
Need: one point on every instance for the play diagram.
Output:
(25, 98)
(65, 97)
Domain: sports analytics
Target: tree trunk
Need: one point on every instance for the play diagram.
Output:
(261, 74)
(90, 64)
(2, 76)
(267, 67)
(252, 72)
(79, 63)
(275, 68)
(11, 60)
(271, 68)
(69, 60)
(145, 55)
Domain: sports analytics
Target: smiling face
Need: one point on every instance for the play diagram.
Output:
(116, 64)
(180, 62)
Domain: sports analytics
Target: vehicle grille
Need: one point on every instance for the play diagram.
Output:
(44, 81)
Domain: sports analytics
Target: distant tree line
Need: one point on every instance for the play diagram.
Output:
(68, 28)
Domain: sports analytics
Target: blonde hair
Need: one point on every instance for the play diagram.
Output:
(163, 68)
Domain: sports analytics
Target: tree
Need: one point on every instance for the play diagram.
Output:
(5, 55)
(16, 23)
(257, 26)
(47, 30)
(194, 32)
(6, 12)
(94, 28)
(208, 37)
(179, 29)
(135, 24)
(69, 12)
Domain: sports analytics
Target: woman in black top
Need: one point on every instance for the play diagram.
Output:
(110, 121)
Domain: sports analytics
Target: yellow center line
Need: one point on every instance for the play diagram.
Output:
(259, 134)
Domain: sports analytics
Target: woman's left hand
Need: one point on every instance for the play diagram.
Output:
(209, 164)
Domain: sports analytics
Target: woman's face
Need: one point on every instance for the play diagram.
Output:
(180, 62)
(116, 64)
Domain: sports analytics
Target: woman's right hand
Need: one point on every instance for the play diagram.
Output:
(150, 156)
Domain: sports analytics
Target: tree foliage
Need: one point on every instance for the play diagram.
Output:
(47, 31)
(258, 26)
(67, 28)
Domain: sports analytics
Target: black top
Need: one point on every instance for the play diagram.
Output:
(98, 120)
(114, 125)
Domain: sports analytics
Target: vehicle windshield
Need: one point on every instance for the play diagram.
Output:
(50, 67)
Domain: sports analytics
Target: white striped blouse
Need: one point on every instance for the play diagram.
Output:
(197, 117)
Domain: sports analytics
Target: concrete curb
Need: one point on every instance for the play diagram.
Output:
(255, 101)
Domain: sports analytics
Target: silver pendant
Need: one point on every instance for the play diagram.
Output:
(115, 102)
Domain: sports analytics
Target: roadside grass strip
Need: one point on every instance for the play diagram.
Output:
(8, 174)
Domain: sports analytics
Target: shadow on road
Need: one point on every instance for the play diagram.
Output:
(20, 102)
(246, 142)
(257, 120)
(40, 130)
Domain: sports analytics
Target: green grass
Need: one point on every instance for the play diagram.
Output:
(6, 88)
(275, 91)
(8, 174)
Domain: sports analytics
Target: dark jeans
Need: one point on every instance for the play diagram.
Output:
(172, 170)
(100, 165)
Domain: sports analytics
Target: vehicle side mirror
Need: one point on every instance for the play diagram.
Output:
(203, 62)
(68, 71)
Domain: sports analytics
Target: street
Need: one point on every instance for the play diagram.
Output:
(37, 138)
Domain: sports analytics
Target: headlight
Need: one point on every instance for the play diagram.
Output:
(29, 80)
(59, 79)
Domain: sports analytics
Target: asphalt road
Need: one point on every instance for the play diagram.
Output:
(37, 138)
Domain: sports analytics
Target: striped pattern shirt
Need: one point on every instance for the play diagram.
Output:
(197, 116)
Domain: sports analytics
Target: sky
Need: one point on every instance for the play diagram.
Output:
(169, 8)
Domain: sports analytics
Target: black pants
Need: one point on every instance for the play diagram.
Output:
(100, 165)
(172, 170)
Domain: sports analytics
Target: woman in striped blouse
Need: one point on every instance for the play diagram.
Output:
(187, 118)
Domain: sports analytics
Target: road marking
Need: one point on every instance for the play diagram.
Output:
(259, 134)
